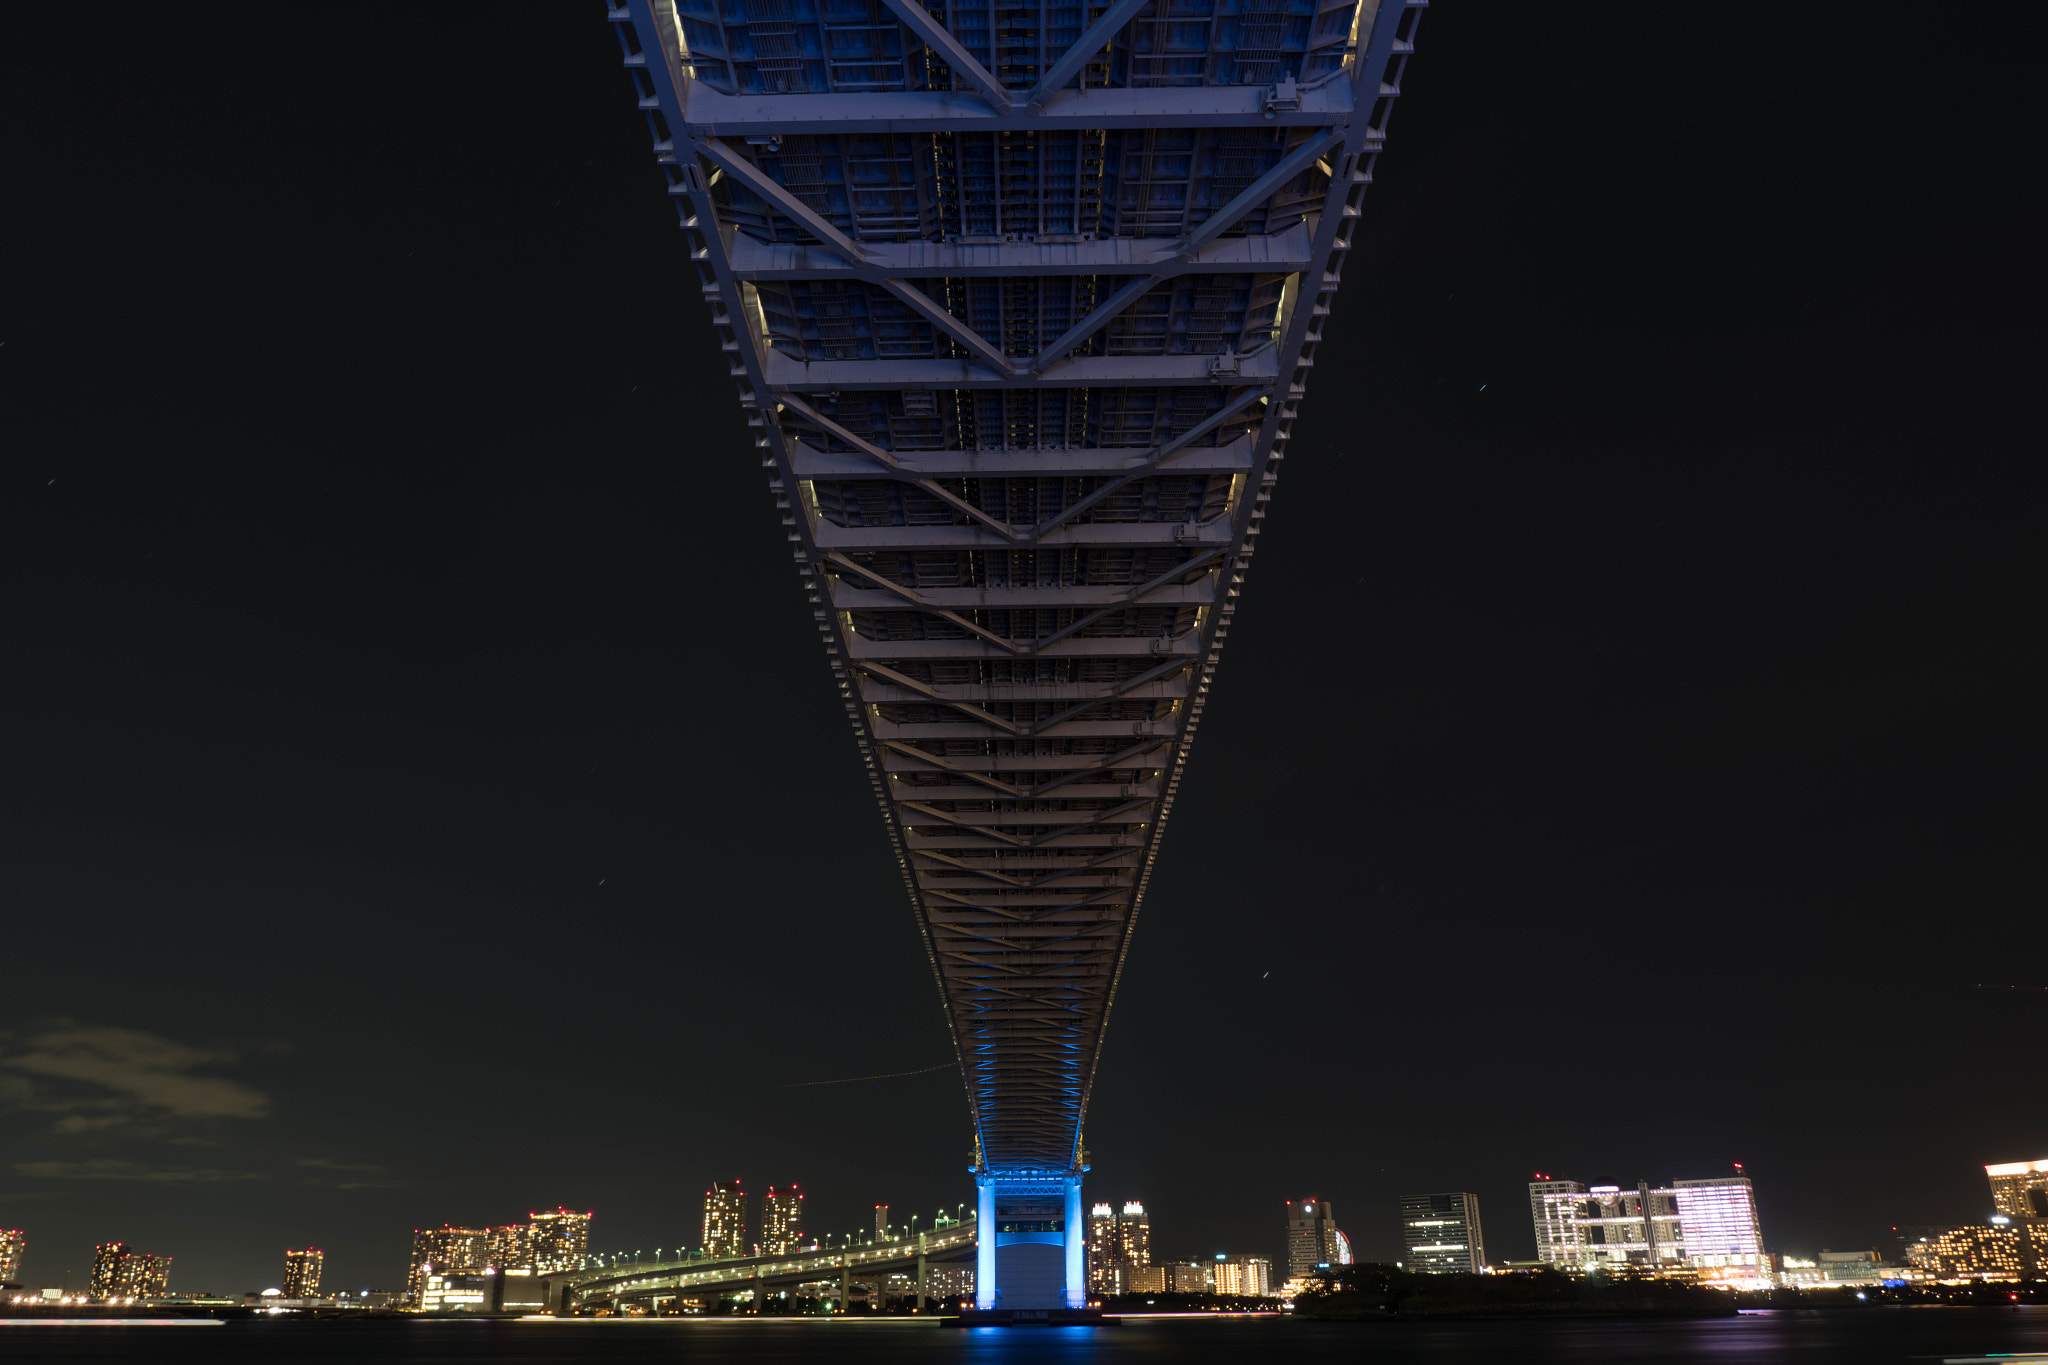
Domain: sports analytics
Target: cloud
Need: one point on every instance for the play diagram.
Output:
(107, 1169)
(133, 1073)
(347, 1175)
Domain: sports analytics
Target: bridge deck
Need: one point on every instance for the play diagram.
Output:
(1020, 299)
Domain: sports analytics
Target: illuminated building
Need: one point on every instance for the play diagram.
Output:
(1553, 1234)
(12, 1243)
(1146, 1279)
(1706, 1224)
(558, 1241)
(2019, 1189)
(118, 1273)
(1105, 1259)
(509, 1246)
(725, 1220)
(1250, 1276)
(445, 1248)
(1134, 1235)
(2002, 1250)
(782, 1221)
(881, 1222)
(302, 1274)
(1440, 1234)
(106, 1268)
(1190, 1277)
(1313, 1238)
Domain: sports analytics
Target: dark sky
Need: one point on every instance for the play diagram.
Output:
(423, 797)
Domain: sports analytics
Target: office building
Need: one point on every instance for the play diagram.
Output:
(1314, 1241)
(446, 1248)
(1705, 1224)
(782, 1220)
(1997, 1251)
(558, 1241)
(1190, 1277)
(302, 1274)
(1552, 1217)
(2019, 1189)
(725, 1220)
(1440, 1234)
(1249, 1276)
(1145, 1279)
(13, 1241)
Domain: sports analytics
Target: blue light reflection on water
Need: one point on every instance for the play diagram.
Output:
(1868, 1337)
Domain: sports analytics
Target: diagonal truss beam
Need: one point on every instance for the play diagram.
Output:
(1259, 191)
(1099, 317)
(760, 182)
(934, 35)
(1087, 45)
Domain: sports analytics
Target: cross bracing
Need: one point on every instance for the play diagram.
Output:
(1021, 300)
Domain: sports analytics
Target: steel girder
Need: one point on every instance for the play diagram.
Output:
(1022, 471)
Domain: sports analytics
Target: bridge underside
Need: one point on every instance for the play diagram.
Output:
(1020, 299)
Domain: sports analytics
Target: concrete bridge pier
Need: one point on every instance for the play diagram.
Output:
(1031, 1251)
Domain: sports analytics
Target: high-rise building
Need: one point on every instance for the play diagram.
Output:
(1440, 1234)
(1707, 1224)
(1552, 1234)
(1191, 1277)
(1249, 1276)
(446, 1248)
(782, 1220)
(725, 1220)
(558, 1241)
(509, 1247)
(13, 1241)
(106, 1269)
(1134, 1235)
(881, 1222)
(120, 1273)
(1105, 1259)
(2019, 1189)
(302, 1274)
(1313, 1239)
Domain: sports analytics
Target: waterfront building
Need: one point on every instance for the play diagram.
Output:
(106, 1269)
(1250, 1276)
(121, 1273)
(508, 1246)
(446, 1248)
(1105, 1263)
(2002, 1250)
(1314, 1241)
(557, 1241)
(782, 1220)
(1709, 1225)
(1145, 1279)
(1553, 1233)
(2019, 1189)
(1190, 1277)
(950, 1284)
(1440, 1234)
(1134, 1234)
(302, 1274)
(13, 1241)
(725, 1220)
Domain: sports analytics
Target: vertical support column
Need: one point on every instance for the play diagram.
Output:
(984, 1241)
(920, 1272)
(1077, 1246)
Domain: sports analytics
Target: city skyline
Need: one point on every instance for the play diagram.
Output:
(1673, 576)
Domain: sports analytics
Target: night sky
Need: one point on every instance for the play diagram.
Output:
(423, 797)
